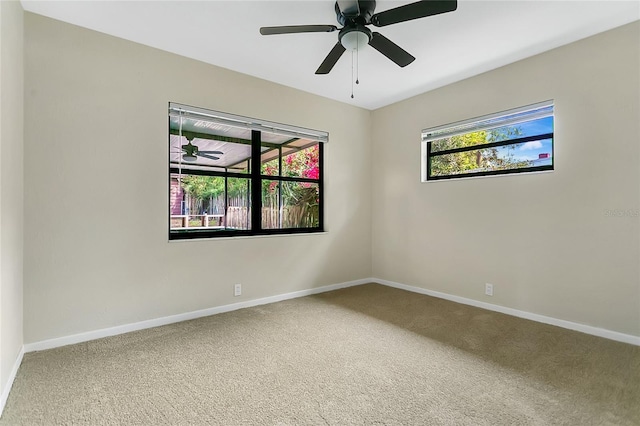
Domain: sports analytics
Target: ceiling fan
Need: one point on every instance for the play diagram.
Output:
(191, 153)
(354, 15)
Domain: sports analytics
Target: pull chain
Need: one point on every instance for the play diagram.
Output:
(357, 62)
(352, 74)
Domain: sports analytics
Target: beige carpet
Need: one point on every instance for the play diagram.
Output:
(367, 355)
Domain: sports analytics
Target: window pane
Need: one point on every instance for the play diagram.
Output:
(300, 205)
(304, 163)
(238, 204)
(516, 156)
(198, 202)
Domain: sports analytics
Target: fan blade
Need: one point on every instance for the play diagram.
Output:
(331, 59)
(391, 50)
(290, 29)
(210, 157)
(417, 10)
(210, 152)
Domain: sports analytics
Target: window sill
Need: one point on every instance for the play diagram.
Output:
(245, 237)
(487, 176)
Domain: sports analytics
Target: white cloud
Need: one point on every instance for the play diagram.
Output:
(531, 145)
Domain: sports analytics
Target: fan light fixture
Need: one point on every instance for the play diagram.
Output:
(187, 157)
(352, 40)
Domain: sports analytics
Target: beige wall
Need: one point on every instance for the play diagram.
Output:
(96, 249)
(543, 240)
(11, 186)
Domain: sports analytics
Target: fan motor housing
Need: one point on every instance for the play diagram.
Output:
(365, 9)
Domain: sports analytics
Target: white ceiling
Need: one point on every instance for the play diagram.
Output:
(479, 36)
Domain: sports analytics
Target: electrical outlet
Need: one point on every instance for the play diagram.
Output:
(488, 289)
(237, 290)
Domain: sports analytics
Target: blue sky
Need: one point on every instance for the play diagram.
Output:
(531, 150)
(536, 127)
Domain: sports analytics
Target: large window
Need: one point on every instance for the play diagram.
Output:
(515, 141)
(232, 175)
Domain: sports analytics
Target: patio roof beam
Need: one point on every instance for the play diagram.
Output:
(197, 135)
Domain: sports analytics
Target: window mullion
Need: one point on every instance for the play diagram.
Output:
(280, 202)
(256, 182)
(428, 159)
(321, 186)
(226, 201)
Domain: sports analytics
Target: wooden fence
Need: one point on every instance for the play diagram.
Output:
(239, 218)
(292, 217)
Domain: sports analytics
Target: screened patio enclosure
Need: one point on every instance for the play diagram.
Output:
(211, 162)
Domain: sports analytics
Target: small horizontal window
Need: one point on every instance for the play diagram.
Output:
(515, 141)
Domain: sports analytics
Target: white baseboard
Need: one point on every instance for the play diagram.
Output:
(600, 332)
(126, 328)
(12, 377)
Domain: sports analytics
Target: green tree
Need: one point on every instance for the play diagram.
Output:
(480, 159)
(202, 187)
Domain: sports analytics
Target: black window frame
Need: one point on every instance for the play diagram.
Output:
(256, 178)
(429, 154)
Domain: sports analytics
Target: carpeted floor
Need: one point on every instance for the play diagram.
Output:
(366, 355)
